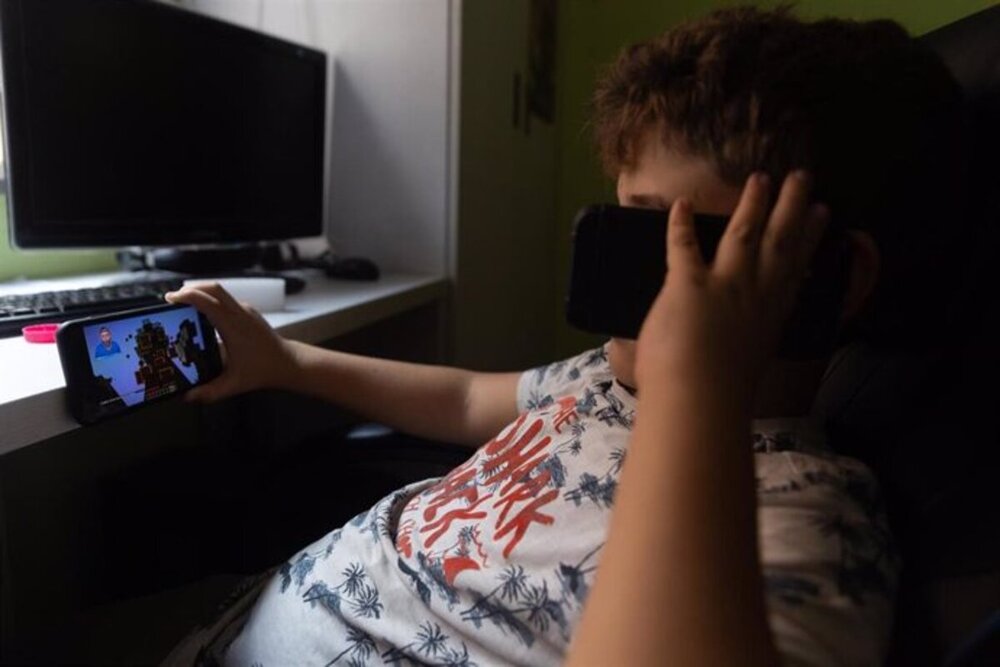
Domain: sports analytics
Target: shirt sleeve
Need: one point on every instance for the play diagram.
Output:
(830, 566)
(538, 387)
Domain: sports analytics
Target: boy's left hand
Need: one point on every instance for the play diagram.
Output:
(721, 323)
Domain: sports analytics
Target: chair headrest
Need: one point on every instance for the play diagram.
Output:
(971, 50)
(926, 423)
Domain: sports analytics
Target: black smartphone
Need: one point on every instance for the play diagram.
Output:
(120, 362)
(619, 264)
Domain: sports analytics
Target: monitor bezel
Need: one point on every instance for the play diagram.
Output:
(25, 231)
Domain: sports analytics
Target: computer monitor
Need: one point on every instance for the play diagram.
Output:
(134, 123)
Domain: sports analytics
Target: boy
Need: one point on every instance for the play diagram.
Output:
(492, 564)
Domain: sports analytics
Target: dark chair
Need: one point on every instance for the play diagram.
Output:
(927, 423)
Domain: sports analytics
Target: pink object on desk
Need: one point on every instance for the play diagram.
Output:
(40, 333)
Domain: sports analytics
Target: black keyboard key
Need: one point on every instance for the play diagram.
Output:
(137, 302)
(77, 306)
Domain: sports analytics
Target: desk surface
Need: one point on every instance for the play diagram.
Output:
(32, 389)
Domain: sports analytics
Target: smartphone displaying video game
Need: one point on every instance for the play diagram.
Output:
(619, 264)
(117, 363)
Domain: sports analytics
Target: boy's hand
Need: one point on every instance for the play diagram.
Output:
(254, 356)
(721, 323)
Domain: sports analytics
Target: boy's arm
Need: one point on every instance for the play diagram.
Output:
(435, 402)
(680, 580)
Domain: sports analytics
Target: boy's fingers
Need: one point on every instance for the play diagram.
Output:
(203, 302)
(217, 389)
(817, 220)
(196, 297)
(738, 248)
(683, 252)
(207, 393)
(217, 305)
(214, 290)
(196, 395)
(782, 242)
(219, 292)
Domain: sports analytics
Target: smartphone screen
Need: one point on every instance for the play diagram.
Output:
(113, 364)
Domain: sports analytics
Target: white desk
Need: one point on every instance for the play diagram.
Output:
(32, 389)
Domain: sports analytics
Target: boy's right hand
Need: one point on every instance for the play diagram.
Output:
(254, 356)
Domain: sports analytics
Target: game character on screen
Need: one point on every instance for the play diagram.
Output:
(156, 372)
(107, 347)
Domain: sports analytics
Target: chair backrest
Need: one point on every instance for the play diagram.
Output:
(929, 423)
(926, 422)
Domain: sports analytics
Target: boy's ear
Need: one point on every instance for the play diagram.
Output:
(862, 274)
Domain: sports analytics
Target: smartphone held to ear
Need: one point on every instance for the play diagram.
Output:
(619, 265)
(118, 363)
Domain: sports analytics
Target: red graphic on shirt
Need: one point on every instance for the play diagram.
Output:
(511, 464)
(515, 462)
(456, 565)
(455, 486)
(566, 414)
(525, 517)
(404, 538)
(441, 526)
(465, 558)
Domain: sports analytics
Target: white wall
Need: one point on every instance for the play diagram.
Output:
(428, 172)
(390, 131)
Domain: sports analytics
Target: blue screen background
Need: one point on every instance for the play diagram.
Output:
(121, 367)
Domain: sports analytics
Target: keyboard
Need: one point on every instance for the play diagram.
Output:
(21, 310)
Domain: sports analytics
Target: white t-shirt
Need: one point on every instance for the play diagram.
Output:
(491, 564)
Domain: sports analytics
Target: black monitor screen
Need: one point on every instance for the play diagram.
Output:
(129, 122)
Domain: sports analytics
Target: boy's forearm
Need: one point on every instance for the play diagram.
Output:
(686, 499)
(434, 402)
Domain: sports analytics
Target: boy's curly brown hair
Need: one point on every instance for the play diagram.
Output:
(872, 113)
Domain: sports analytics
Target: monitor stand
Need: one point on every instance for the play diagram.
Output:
(252, 260)
(225, 260)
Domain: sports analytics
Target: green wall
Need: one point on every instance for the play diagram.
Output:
(34, 264)
(591, 32)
